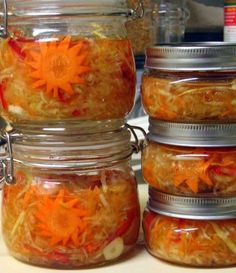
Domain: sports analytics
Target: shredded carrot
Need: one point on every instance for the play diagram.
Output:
(182, 98)
(60, 217)
(192, 242)
(148, 172)
(190, 170)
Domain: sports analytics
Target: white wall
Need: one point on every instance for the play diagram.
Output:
(205, 14)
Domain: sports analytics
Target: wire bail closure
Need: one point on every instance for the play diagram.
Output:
(7, 164)
(138, 145)
(137, 12)
(4, 27)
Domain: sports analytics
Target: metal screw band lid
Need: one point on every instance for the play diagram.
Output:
(193, 56)
(191, 134)
(199, 208)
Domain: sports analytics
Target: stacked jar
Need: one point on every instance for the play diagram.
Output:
(189, 160)
(67, 84)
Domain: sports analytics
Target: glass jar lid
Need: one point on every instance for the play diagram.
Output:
(94, 145)
(192, 134)
(198, 208)
(69, 7)
(202, 56)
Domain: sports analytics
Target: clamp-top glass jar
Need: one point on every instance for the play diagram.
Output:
(191, 159)
(66, 60)
(74, 202)
(190, 82)
(191, 231)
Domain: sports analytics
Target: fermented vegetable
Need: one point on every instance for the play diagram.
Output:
(70, 220)
(190, 170)
(193, 96)
(66, 78)
(191, 242)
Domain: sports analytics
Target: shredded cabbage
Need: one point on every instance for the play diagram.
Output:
(192, 242)
(189, 97)
(190, 171)
(106, 91)
(66, 221)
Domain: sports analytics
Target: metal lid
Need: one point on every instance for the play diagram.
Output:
(199, 208)
(191, 134)
(193, 56)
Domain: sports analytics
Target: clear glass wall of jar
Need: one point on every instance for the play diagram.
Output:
(190, 82)
(142, 32)
(191, 159)
(171, 17)
(68, 61)
(207, 240)
(74, 202)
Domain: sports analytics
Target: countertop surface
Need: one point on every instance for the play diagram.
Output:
(140, 261)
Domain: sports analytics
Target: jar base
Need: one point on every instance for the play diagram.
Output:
(130, 252)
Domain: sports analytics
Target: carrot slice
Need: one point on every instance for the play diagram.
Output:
(58, 65)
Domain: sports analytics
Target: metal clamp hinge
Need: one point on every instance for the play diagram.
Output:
(4, 27)
(137, 12)
(7, 164)
(139, 144)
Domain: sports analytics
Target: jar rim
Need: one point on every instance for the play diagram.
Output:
(65, 127)
(28, 8)
(91, 145)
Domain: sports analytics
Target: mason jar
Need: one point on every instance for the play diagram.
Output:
(66, 60)
(74, 199)
(190, 82)
(191, 159)
(199, 232)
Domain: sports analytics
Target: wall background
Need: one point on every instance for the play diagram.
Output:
(206, 20)
(205, 14)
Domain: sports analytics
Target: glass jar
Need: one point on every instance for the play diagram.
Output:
(190, 82)
(191, 232)
(191, 159)
(74, 202)
(141, 32)
(171, 20)
(66, 61)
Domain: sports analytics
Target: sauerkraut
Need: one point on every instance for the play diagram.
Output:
(190, 96)
(190, 171)
(141, 32)
(191, 242)
(70, 220)
(66, 78)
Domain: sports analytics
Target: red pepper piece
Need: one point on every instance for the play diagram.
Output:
(58, 257)
(128, 74)
(224, 171)
(76, 113)
(2, 98)
(149, 218)
(16, 48)
(122, 229)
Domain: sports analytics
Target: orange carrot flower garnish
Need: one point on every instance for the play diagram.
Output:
(60, 219)
(58, 65)
(192, 173)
